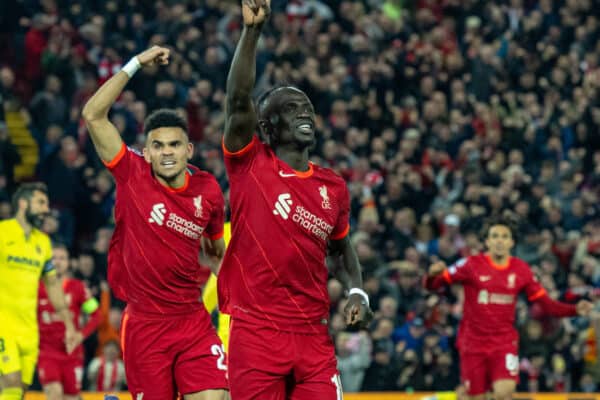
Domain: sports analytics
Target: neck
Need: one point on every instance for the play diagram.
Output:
(499, 259)
(297, 159)
(174, 183)
(27, 228)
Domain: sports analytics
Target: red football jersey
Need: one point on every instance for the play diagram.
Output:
(490, 299)
(153, 256)
(52, 329)
(274, 269)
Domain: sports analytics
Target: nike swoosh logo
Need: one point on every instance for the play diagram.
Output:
(284, 175)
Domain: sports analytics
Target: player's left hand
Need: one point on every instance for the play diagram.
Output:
(357, 313)
(73, 339)
(584, 308)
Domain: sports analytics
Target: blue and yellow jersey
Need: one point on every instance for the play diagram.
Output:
(23, 261)
(210, 299)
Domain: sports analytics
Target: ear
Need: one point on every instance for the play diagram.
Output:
(190, 150)
(146, 155)
(265, 129)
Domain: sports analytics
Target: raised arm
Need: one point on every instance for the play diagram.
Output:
(104, 134)
(240, 115)
(436, 277)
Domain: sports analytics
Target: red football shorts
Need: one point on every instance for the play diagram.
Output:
(66, 371)
(164, 357)
(479, 370)
(268, 364)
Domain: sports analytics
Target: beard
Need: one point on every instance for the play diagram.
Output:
(34, 219)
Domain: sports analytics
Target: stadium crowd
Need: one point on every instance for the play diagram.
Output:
(438, 113)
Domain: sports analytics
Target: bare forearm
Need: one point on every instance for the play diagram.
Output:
(242, 74)
(100, 103)
(351, 266)
(57, 299)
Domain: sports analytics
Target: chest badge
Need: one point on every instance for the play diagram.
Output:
(511, 281)
(325, 197)
(198, 205)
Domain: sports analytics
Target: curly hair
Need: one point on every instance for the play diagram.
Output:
(506, 220)
(164, 117)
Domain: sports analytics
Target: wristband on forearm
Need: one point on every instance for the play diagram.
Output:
(132, 67)
(360, 292)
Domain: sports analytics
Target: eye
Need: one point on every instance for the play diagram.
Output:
(290, 107)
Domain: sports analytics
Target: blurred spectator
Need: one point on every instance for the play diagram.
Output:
(354, 356)
(106, 373)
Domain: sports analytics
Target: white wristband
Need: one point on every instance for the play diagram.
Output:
(360, 292)
(132, 67)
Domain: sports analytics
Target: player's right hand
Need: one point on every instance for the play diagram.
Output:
(155, 55)
(73, 339)
(436, 268)
(255, 12)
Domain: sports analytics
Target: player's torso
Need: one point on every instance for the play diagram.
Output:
(21, 263)
(298, 213)
(491, 296)
(163, 228)
(52, 329)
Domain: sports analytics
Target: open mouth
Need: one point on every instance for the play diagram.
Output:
(306, 128)
(168, 163)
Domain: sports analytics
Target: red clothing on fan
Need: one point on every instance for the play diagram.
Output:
(52, 329)
(153, 256)
(274, 273)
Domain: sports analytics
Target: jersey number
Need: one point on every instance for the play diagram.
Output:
(219, 351)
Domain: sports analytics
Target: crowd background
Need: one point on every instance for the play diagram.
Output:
(438, 113)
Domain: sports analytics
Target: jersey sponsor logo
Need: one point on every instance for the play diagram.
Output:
(323, 192)
(157, 215)
(23, 260)
(198, 205)
(485, 278)
(174, 222)
(282, 205)
(301, 216)
(284, 175)
(485, 297)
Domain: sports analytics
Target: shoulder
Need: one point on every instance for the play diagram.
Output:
(8, 225)
(519, 263)
(463, 262)
(330, 176)
(203, 182)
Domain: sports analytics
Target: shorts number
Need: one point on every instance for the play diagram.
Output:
(512, 363)
(219, 351)
(338, 386)
(78, 376)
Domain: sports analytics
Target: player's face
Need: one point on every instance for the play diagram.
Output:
(168, 151)
(295, 117)
(60, 260)
(37, 209)
(499, 240)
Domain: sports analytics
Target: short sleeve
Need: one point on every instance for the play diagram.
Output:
(342, 225)
(123, 165)
(241, 161)
(47, 248)
(460, 271)
(533, 289)
(214, 229)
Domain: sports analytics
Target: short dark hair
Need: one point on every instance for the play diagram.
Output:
(26, 190)
(164, 117)
(503, 219)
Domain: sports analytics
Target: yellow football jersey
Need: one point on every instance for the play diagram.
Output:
(23, 261)
(209, 296)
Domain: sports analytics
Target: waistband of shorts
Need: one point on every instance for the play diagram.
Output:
(137, 312)
(290, 326)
